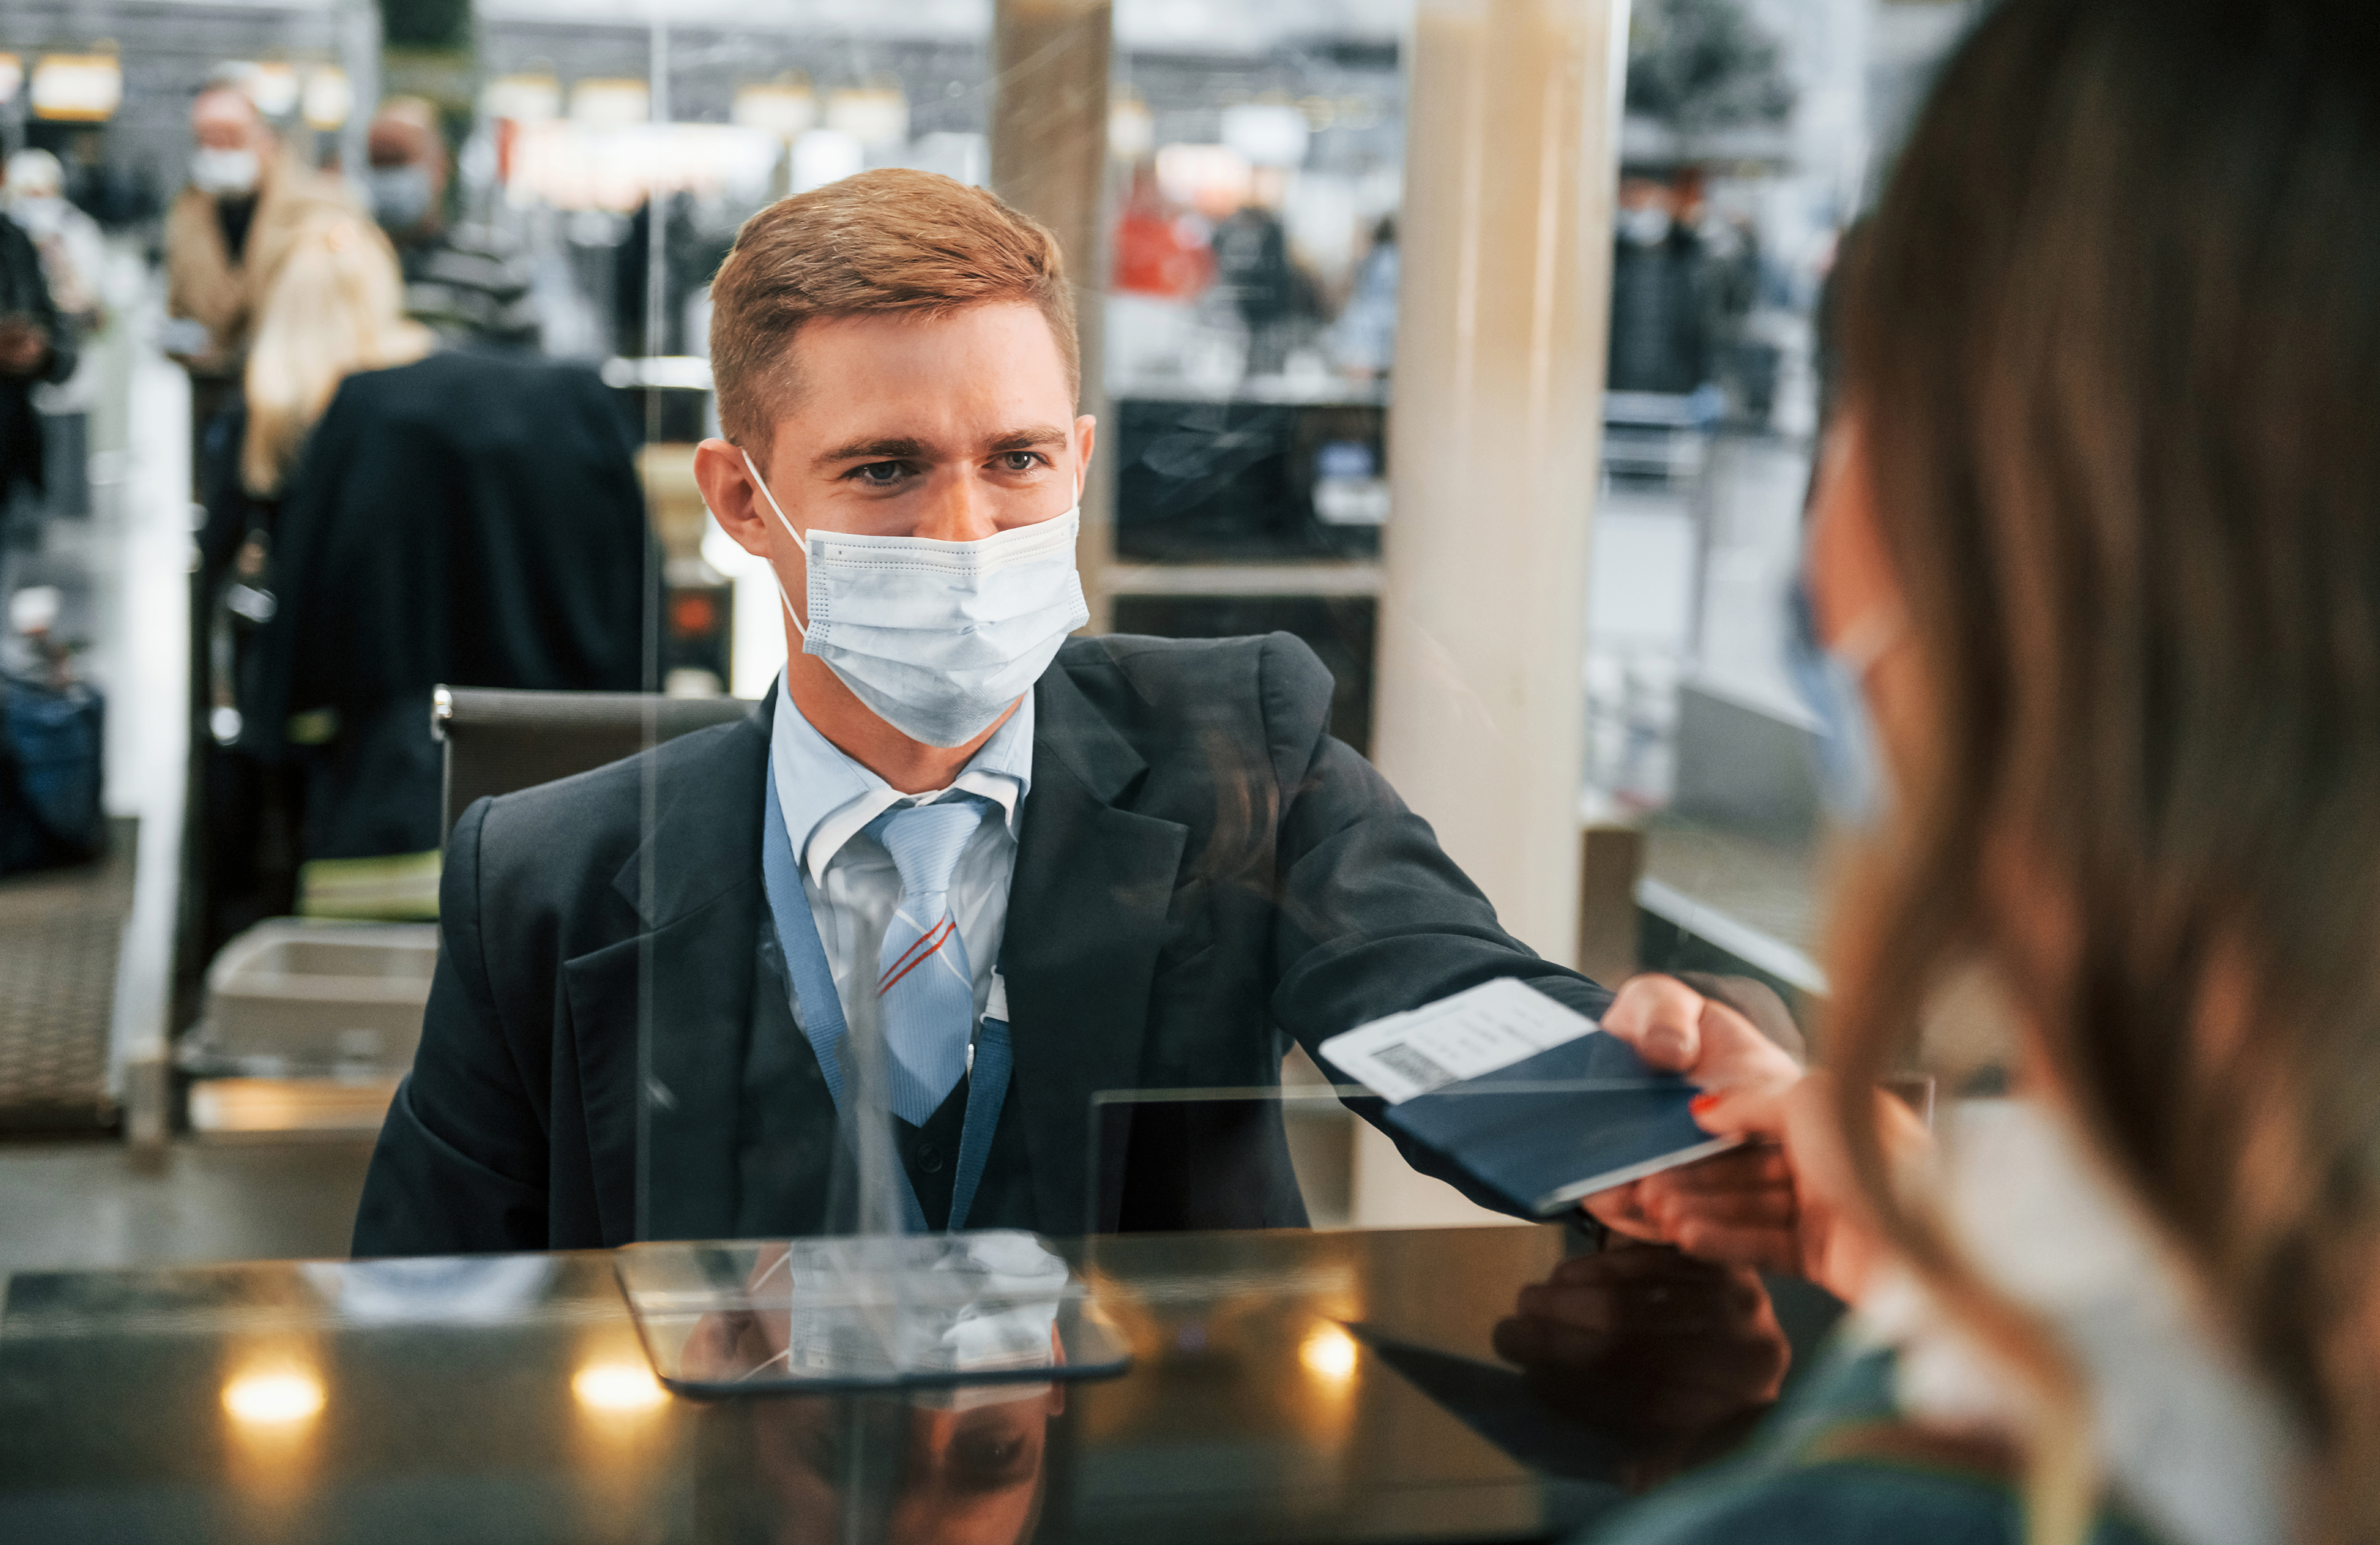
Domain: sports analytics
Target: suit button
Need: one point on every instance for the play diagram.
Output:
(929, 1158)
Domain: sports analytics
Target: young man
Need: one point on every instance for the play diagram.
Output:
(1068, 864)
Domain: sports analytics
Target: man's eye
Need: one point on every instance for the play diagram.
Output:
(1019, 461)
(882, 475)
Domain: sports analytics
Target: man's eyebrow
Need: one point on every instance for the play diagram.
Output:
(1025, 439)
(901, 450)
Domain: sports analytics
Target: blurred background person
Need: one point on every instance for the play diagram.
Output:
(1363, 339)
(1660, 340)
(225, 235)
(37, 345)
(1251, 266)
(461, 280)
(469, 519)
(74, 254)
(335, 309)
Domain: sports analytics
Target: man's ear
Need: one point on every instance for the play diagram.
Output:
(734, 503)
(1087, 434)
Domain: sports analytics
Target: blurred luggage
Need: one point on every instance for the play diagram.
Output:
(49, 771)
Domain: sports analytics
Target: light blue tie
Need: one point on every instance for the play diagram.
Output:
(927, 988)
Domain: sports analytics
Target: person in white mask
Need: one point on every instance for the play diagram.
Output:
(225, 235)
(1048, 865)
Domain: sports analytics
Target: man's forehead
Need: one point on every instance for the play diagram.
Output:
(869, 377)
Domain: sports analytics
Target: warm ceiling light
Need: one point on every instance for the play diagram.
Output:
(1329, 1353)
(617, 1386)
(274, 1399)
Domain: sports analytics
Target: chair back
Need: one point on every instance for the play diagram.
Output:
(498, 741)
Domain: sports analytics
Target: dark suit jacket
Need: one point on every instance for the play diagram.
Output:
(1201, 872)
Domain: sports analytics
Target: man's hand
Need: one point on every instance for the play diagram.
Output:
(24, 348)
(1740, 1207)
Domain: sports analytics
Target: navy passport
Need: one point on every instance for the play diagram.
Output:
(1608, 1119)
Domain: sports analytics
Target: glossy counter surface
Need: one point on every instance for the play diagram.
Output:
(508, 1399)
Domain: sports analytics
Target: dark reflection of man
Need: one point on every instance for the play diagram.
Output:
(964, 1469)
(1676, 1358)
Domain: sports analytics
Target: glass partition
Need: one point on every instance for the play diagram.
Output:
(1752, 133)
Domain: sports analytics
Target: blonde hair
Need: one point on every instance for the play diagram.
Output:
(336, 307)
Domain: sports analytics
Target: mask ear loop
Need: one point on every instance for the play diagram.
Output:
(761, 483)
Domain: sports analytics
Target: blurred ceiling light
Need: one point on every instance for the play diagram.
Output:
(525, 99)
(328, 98)
(276, 1397)
(12, 75)
(878, 116)
(612, 102)
(1268, 133)
(785, 107)
(826, 155)
(616, 1388)
(1196, 174)
(1318, 112)
(1328, 1353)
(273, 86)
(1132, 129)
(77, 88)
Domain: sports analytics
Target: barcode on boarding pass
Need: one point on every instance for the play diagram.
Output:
(1416, 1068)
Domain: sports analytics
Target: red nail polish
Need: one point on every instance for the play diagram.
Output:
(1701, 1104)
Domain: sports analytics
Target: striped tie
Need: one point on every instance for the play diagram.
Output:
(927, 988)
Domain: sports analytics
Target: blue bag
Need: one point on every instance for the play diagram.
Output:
(50, 769)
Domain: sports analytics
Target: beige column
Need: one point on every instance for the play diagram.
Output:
(1494, 439)
(1049, 158)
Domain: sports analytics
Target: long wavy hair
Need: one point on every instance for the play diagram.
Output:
(2113, 342)
(336, 306)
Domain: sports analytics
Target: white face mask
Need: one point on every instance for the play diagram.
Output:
(223, 173)
(938, 638)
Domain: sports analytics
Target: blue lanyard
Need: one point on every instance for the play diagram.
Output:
(819, 1010)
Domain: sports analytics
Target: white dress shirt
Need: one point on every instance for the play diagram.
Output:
(852, 885)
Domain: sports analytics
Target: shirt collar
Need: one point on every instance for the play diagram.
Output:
(827, 797)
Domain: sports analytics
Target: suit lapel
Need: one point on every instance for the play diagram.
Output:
(669, 1058)
(1085, 920)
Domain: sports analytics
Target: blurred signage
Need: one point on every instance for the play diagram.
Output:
(573, 165)
(1269, 134)
(785, 107)
(1132, 129)
(524, 99)
(328, 98)
(273, 86)
(77, 88)
(611, 102)
(876, 116)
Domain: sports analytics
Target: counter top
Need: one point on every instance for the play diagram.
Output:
(507, 1398)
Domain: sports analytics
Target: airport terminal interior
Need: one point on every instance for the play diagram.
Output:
(1318, 248)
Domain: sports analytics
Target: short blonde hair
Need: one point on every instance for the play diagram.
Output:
(893, 241)
(336, 307)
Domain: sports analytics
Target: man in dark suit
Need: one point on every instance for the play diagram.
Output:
(1041, 867)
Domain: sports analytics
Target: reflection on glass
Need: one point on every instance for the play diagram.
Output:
(1328, 1353)
(966, 1467)
(273, 1397)
(992, 1306)
(618, 1386)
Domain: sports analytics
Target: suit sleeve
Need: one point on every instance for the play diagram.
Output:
(1373, 918)
(461, 1164)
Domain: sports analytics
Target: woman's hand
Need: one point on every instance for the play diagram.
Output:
(1838, 1245)
(1738, 1208)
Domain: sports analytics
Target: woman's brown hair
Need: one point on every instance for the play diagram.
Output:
(2112, 340)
